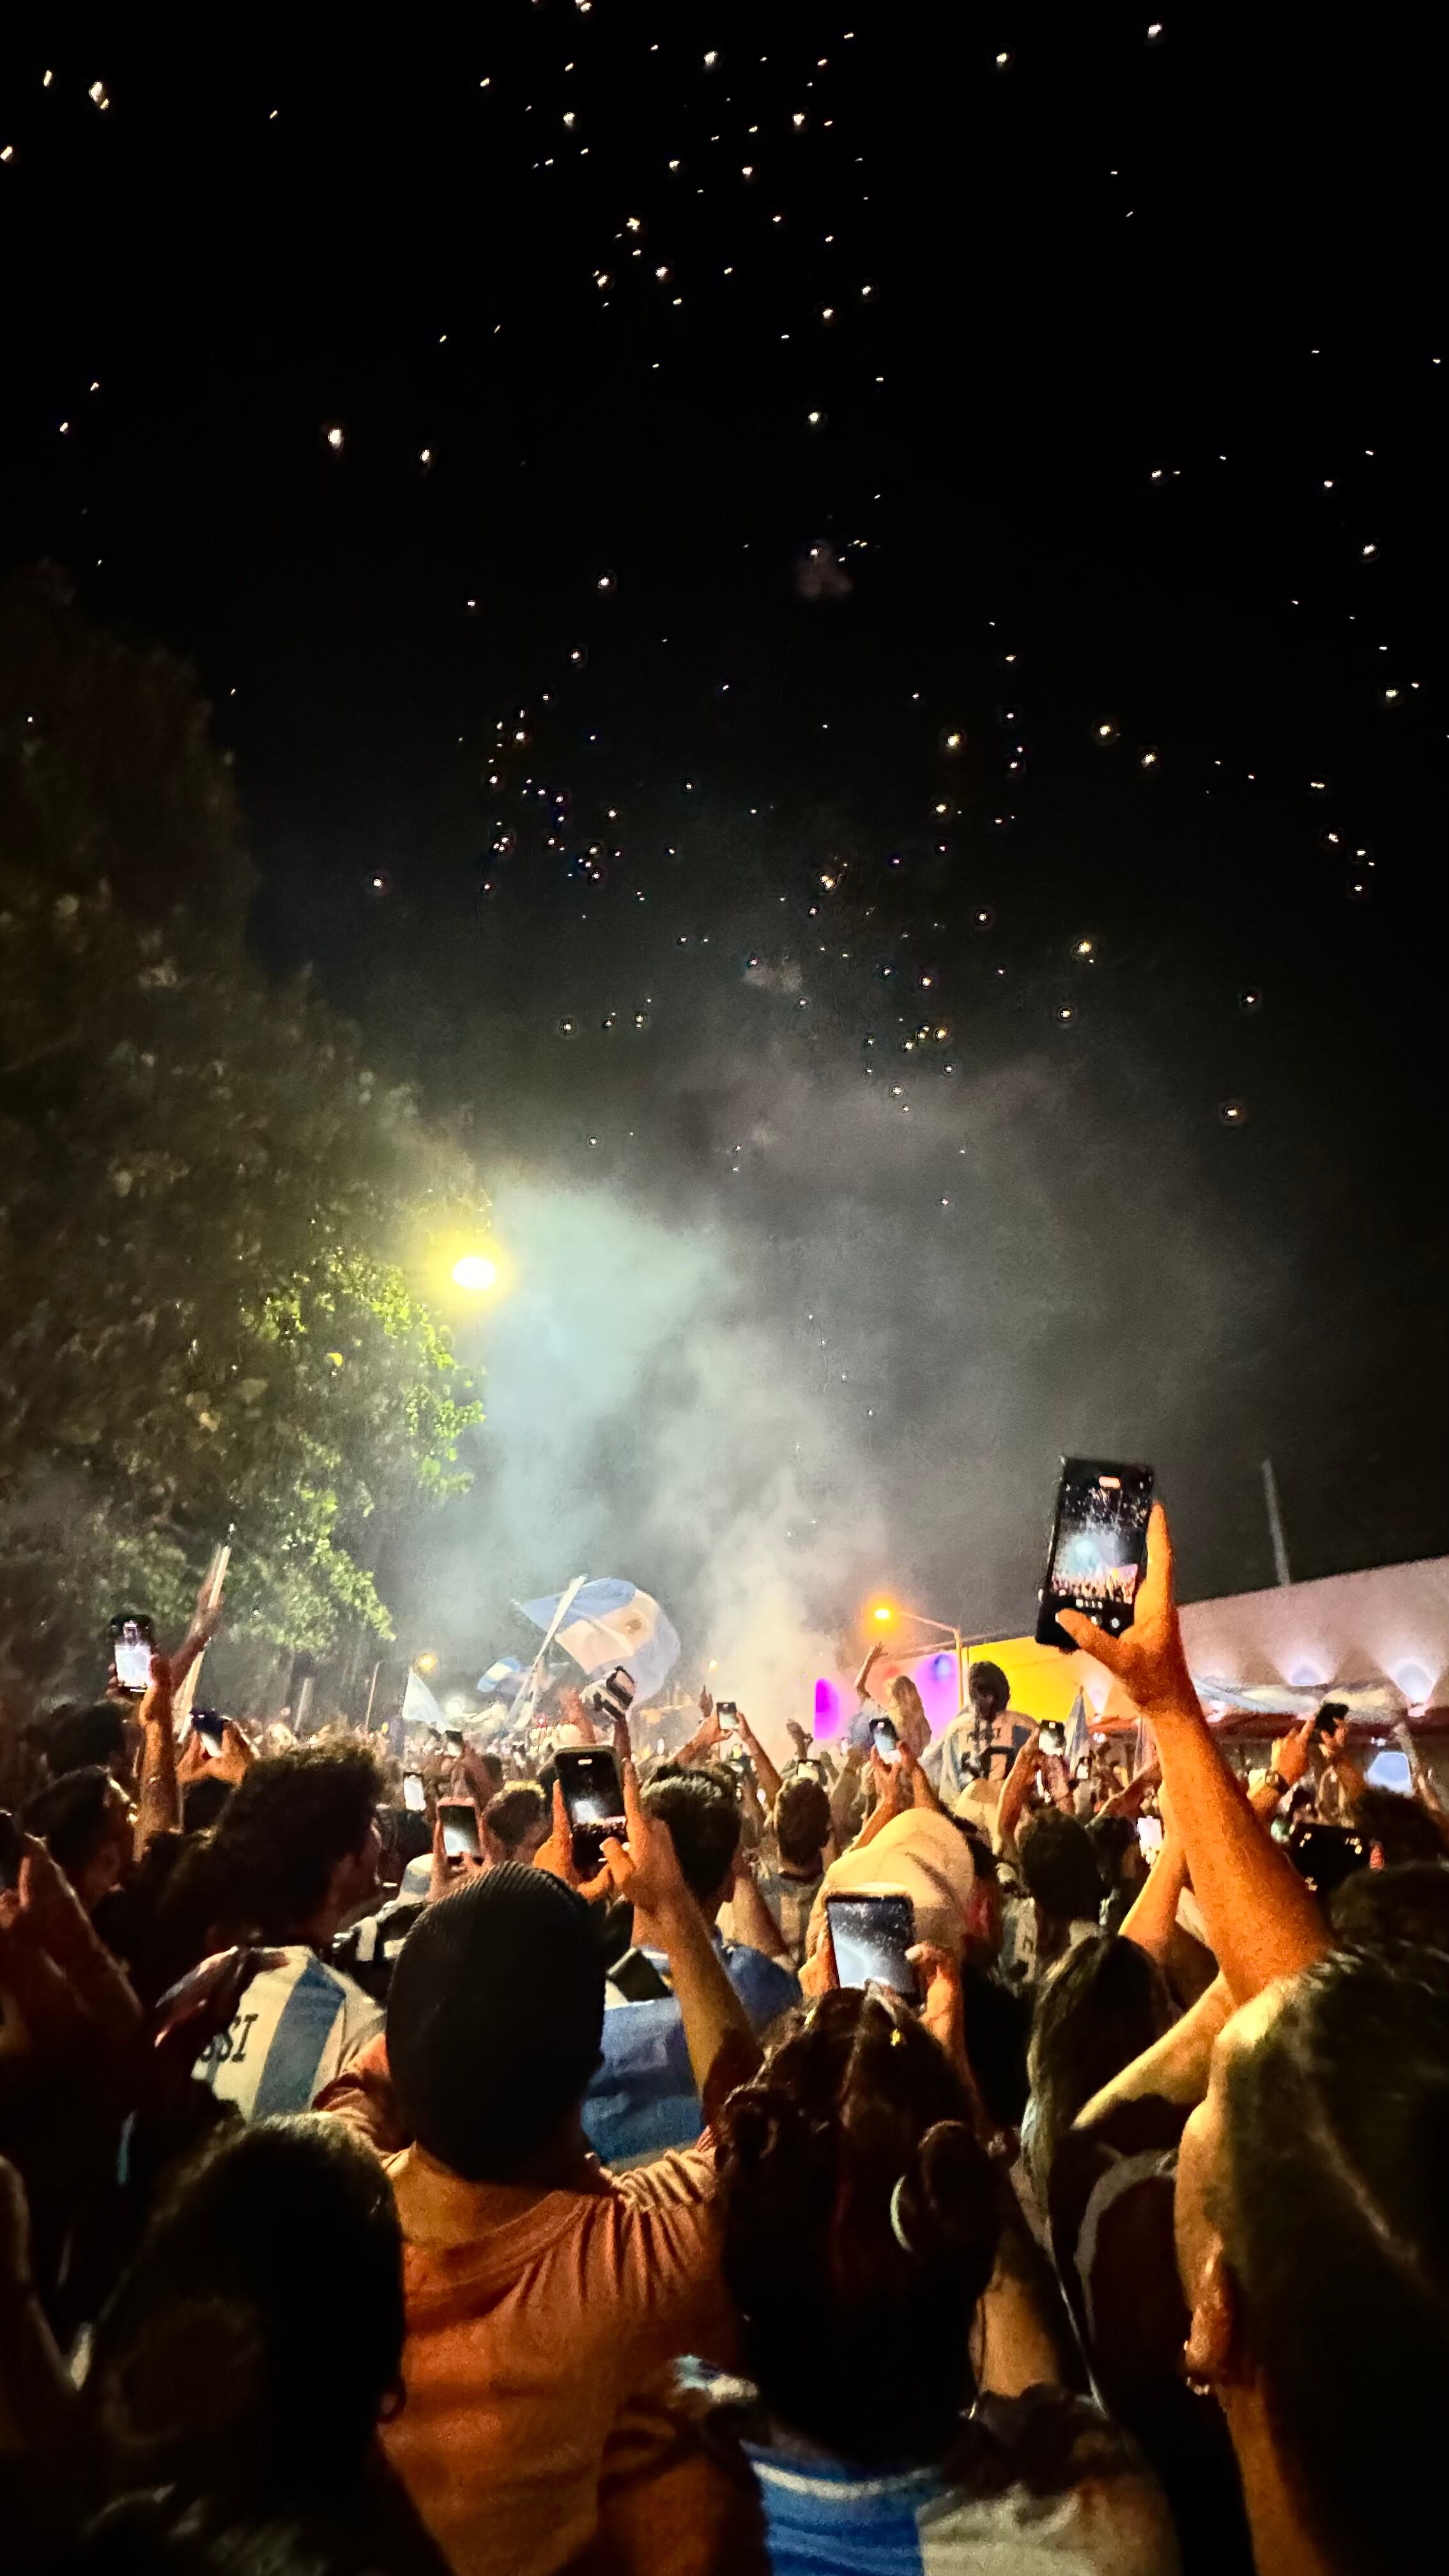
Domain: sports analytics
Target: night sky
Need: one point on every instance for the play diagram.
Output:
(831, 637)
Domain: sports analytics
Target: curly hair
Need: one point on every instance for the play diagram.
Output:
(854, 2194)
(266, 1868)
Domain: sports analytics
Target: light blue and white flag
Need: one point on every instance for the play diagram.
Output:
(419, 1707)
(503, 1679)
(1378, 1700)
(612, 1622)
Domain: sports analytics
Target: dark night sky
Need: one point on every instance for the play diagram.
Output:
(1125, 356)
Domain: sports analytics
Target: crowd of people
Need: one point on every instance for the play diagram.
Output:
(393, 2179)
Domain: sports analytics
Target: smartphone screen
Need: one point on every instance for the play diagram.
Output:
(1149, 1836)
(131, 1649)
(1052, 1738)
(12, 1849)
(1098, 1549)
(206, 1723)
(415, 1796)
(871, 1935)
(726, 1711)
(459, 1820)
(593, 1799)
(885, 1739)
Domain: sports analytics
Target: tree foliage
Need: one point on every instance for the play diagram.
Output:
(212, 1215)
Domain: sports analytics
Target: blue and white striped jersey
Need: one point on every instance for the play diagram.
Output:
(294, 2030)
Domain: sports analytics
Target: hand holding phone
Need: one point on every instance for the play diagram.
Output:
(593, 1796)
(870, 1936)
(133, 1642)
(1148, 1659)
(1098, 1551)
(885, 1739)
(458, 1819)
(211, 1728)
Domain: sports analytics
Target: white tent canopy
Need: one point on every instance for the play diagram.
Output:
(1378, 1639)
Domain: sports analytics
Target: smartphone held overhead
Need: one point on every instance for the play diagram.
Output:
(593, 1796)
(133, 1642)
(210, 1726)
(458, 1818)
(1098, 1551)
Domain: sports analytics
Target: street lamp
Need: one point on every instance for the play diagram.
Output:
(475, 1272)
(885, 1612)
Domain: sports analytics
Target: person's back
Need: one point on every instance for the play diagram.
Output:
(862, 2226)
(543, 2297)
(295, 2028)
(531, 2316)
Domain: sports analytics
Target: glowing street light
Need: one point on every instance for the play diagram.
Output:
(886, 1612)
(426, 1663)
(475, 1272)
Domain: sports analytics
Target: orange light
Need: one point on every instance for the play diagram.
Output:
(882, 1614)
(427, 1663)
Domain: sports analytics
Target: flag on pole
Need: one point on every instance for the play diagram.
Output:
(1143, 1749)
(611, 1622)
(211, 1592)
(502, 1680)
(526, 1704)
(419, 1707)
(1076, 1745)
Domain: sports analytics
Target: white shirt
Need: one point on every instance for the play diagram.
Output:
(295, 2029)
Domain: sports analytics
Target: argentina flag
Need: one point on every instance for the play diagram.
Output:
(612, 1622)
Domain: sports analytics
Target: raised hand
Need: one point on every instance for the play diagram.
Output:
(556, 1855)
(1148, 1658)
(644, 1870)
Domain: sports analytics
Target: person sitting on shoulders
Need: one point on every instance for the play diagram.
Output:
(984, 1741)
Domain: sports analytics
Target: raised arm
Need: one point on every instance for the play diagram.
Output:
(1015, 1791)
(862, 1678)
(1152, 1920)
(892, 1796)
(645, 1872)
(198, 1637)
(765, 1771)
(158, 1797)
(707, 1735)
(1342, 1764)
(755, 1925)
(1261, 1920)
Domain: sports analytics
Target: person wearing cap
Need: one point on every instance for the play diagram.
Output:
(922, 1855)
(545, 2297)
